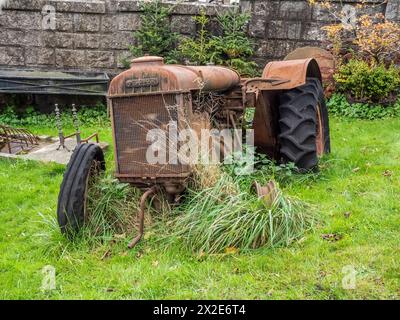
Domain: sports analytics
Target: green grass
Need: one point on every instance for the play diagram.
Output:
(357, 195)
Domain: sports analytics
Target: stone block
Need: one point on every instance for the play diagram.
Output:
(320, 13)
(109, 23)
(313, 31)
(100, 59)
(39, 56)
(21, 20)
(183, 24)
(28, 4)
(284, 30)
(12, 37)
(92, 41)
(280, 48)
(118, 41)
(393, 10)
(128, 22)
(66, 58)
(81, 6)
(86, 23)
(257, 26)
(65, 22)
(126, 6)
(294, 10)
(12, 56)
(262, 48)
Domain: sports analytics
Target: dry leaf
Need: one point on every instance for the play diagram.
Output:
(331, 237)
(387, 173)
(231, 250)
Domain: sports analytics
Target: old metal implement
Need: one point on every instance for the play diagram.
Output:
(16, 140)
(77, 132)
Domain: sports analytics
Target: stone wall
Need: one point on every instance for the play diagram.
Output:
(282, 26)
(88, 34)
(95, 34)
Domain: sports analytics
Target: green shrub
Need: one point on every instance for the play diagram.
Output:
(155, 36)
(338, 105)
(198, 50)
(88, 116)
(232, 48)
(368, 83)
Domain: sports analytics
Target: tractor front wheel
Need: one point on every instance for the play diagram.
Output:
(86, 164)
(304, 125)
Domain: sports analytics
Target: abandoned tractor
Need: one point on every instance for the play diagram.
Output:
(290, 123)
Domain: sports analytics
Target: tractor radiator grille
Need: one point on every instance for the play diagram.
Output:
(133, 117)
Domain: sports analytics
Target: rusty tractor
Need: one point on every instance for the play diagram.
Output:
(290, 123)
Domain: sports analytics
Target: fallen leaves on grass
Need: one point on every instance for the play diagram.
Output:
(332, 237)
(387, 173)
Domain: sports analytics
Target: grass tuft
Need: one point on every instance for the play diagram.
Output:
(220, 217)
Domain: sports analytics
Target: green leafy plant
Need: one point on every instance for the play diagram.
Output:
(232, 48)
(199, 50)
(155, 35)
(88, 116)
(364, 82)
(338, 105)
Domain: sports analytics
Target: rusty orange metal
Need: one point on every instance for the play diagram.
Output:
(325, 60)
(151, 94)
(284, 75)
(150, 74)
(268, 193)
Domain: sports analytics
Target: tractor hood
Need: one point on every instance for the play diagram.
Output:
(150, 74)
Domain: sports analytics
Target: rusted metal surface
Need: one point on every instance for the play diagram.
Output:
(325, 60)
(133, 119)
(150, 74)
(140, 215)
(267, 193)
(265, 124)
(16, 140)
(284, 75)
(151, 94)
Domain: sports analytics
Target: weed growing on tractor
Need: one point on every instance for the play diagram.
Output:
(223, 218)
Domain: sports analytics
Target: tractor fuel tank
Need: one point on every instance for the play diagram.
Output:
(150, 74)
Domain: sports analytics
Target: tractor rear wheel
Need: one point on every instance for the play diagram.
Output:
(304, 125)
(86, 164)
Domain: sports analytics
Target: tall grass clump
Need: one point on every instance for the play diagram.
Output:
(223, 216)
(111, 210)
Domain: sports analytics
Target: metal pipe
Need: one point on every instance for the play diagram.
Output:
(143, 199)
